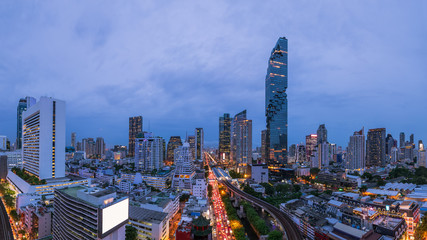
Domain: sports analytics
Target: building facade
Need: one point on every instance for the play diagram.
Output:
(224, 137)
(356, 151)
(276, 103)
(148, 152)
(43, 150)
(23, 105)
(174, 142)
(185, 171)
(135, 128)
(241, 141)
(375, 147)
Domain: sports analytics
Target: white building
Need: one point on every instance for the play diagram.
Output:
(356, 156)
(323, 154)
(149, 152)
(43, 138)
(3, 143)
(259, 173)
(422, 158)
(125, 186)
(161, 202)
(200, 188)
(14, 159)
(184, 172)
(149, 224)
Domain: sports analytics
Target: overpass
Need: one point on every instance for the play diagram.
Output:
(288, 226)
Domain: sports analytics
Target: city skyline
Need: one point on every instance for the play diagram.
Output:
(324, 85)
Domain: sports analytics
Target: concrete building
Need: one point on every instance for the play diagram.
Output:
(310, 145)
(185, 170)
(174, 142)
(37, 220)
(73, 140)
(375, 147)
(199, 134)
(125, 186)
(149, 224)
(3, 167)
(89, 213)
(161, 202)
(224, 137)
(259, 173)
(23, 105)
(148, 152)
(356, 156)
(200, 188)
(241, 141)
(100, 146)
(3, 143)
(43, 150)
(135, 128)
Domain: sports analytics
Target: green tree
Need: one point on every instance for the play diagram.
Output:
(14, 215)
(269, 189)
(209, 190)
(314, 171)
(131, 233)
(363, 188)
(421, 230)
(296, 188)
(275, 235)
(184, 198)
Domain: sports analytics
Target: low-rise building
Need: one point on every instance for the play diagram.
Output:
(150, 224)
(259, 173)
(200, 188)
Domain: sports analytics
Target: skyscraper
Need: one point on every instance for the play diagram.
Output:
(174, 142)
(199, 144)
(192, 141)
(389, 143)
(310, 144)
(148, 152)
(24, 104)
(276, 103)
(322, 134)
(264, 146)
(402, 140)
(375, 146)
(356, 151)
(224, 137)
(73, 140)
(241, 141)
(43, 150)
(100, 146)
(411, 139)
(135, 128)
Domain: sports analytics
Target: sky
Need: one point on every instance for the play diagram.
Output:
(182, 64)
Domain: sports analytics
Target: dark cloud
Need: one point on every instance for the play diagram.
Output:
(182, 64)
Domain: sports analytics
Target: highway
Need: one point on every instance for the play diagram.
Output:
(5, 229)
(291, 230)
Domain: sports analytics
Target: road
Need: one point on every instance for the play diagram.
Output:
(5, 229)
(222, 224)
(291, 230)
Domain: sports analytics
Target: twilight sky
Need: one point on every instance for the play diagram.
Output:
(182, 64)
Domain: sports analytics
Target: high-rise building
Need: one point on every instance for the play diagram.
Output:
(323, 155)
(292, 151)
(43, 138)
(73, 140)
(3, 167)
(174, 142)
(310, 144)
(264, 146)
(89, 213)
(89, 146)
(199, 144)
(191, 139)
(411, 139)
(375, 146)
(241, 141)
(185, 171)
(276, 103)
(402, 140)
(135, 128)
(224, 137)
(99, 146)
(420, 145)
(148, 152)
(356, 157)
(389, 143)
(3, 143)
(322, 134)
(23, 105)
(301, 153)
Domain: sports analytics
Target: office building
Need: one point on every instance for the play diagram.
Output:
(23, 105)
(148, 152)
(3, 143)
(149, 224)
(420, 145)
(310, 144)
(356, 151)
(73, 140)
(99, 146)
(174, 142)
(199, 144)
(224, 137)
(264, 146)
(322, 134)
(241, 141)
(276, 103)
(411, 213)
(301, 154)
(14, 158)
(375, 147)
(259, 173)
(3, 167)
(43, 150)
(323, 155)
(185, 171)
(192, 141)
(200, 187)
(389, 143)
(411, 139)
(135, 128)
(402, 139)
(89, 213)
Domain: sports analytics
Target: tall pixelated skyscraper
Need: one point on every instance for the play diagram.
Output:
(135, 128)
(375, 147)
(24, 104)
(224, 137)
(241, 141)
(199, 134)
(276, 103)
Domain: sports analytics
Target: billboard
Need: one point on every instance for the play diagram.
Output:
(114, 215)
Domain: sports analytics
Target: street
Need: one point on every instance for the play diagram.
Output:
(5, 229)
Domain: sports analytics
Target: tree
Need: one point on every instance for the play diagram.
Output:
(275, 235)
(184, 198)
(421, 230)
(14, 215)
(363, 188)
(296, 188)
(209, 191)
(314, 171)
(269, 189)
(131, 233)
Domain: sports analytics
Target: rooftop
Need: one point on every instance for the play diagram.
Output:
(146, 215)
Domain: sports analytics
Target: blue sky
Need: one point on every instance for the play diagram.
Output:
(182, 64)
